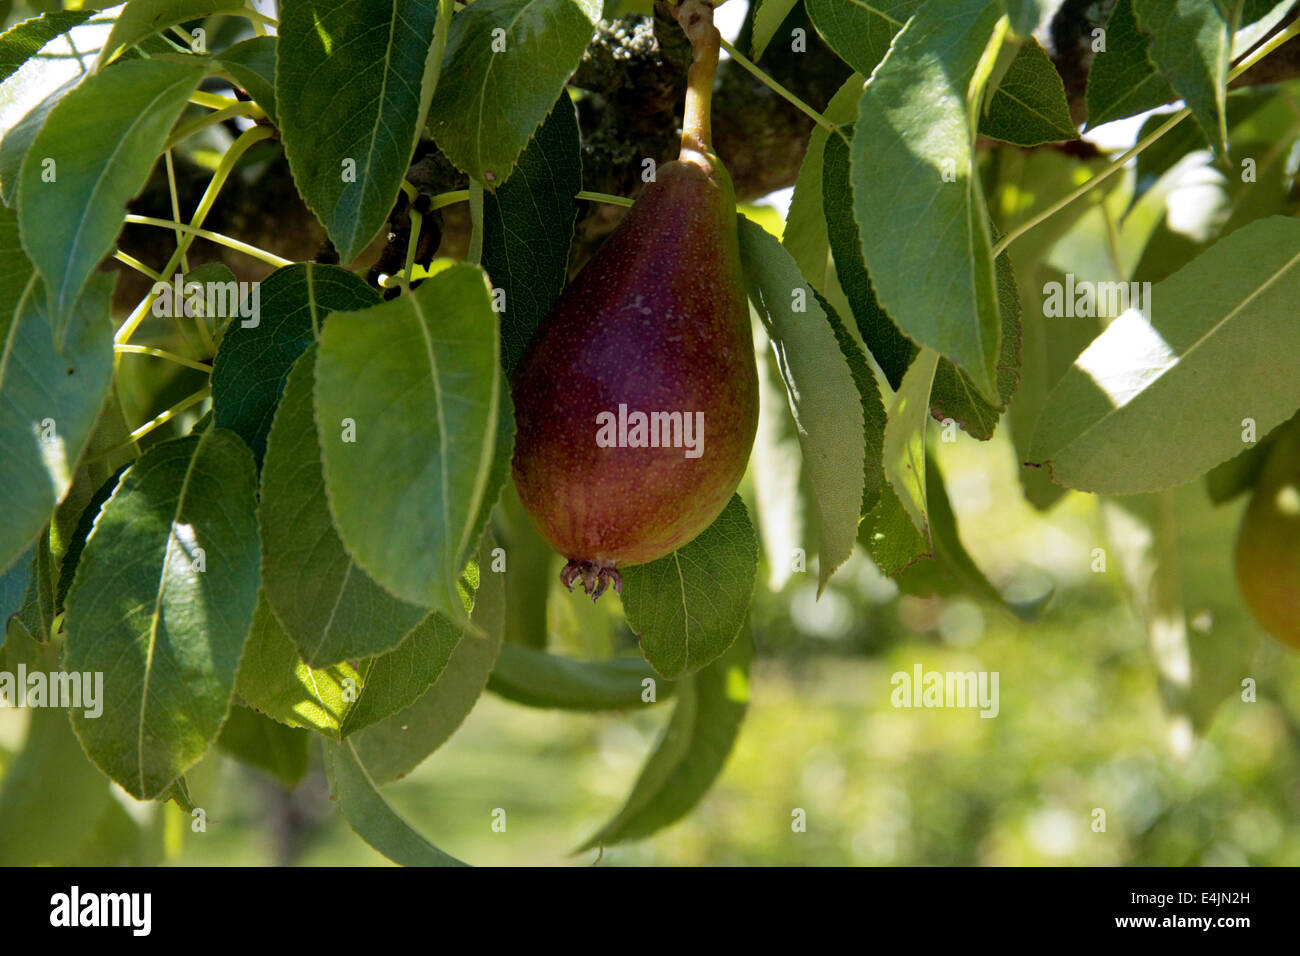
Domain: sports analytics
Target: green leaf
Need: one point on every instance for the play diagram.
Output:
(371, 816)
(13, 587)
(262, 743)
(32, 621)
(396, 680)
(396, 745)
(496, 87)
(18, 140)
(950, 570)
(1157, 400)
(1241, 472)
(538, 679)
(252, 363)
(353, 81)
(805, 235)
(1175, 554)
(1027, 182)
(77, 542)
(692, 751)
(823, 395)
(1026, 15)
(252, 64)
(688, 606)
(528, 228)
(954, 396)
(888, 346)
(103, 138)
(1029, 107)
(143, 18)
(860, 30)
(52, 797)
(41, 55)
(23, 40)
(273, 679)
(781, 500)
(904, 449)
(419, 379)
(916, 196)
(768, 17)
(1122, 80)
(873, 410)
(891, 536)
(329, 607)
(529, 576)
(48, 401)
(165, 623)
(1191, 45)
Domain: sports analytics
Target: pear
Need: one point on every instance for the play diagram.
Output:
(636, 402)
(1268, 544)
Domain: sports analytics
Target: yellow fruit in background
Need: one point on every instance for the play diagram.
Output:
(1268, 544)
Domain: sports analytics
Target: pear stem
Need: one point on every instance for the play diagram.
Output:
(696, 19)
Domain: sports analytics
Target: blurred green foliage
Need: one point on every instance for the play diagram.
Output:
(1081, 727)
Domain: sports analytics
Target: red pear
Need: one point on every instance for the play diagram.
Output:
(650, 341)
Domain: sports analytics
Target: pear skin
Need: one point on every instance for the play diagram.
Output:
(657, 322)
(1268, 544)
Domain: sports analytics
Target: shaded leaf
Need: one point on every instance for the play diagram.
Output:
(252, 64)
(395, 746)
(352, 82)
(949, 569)
(1122, 80)
(103, 138)
(165, 623)
(860, 31)
(48, 401)
(692, 751)
(688, 606)
(904, 447)
(143, 18)
(262, 743)
(252, 363)
(507, 62)
(528, 228)
(888, 346)
(768, 17)
(51, 797)
(952, 394)
(1029, 106)
(538, 679)
(916, 196)
(329, 607)
(396, 680)
(805, 235)
(419, 378)
(372, 817)
(820, 388)
(1175, 553)
(1191, 45)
